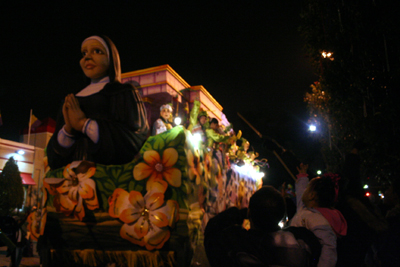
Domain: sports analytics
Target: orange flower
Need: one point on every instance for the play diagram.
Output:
(146, 219)
(73, 191)
(157, 168)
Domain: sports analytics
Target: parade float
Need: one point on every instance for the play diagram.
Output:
(151, 211)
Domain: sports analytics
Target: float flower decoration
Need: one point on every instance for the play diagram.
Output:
(207, 167)
(36, 223)
(195, 168)
(147, 218)
(159, 168)
(75, 191)
(37, 219)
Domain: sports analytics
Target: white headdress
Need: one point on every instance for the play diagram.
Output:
(166, 106)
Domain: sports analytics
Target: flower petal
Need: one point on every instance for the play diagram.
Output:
(141, 227)
(33, 226)
(64, 187)
(53, 180)
(173, 212)
(157, 186)
(67, 171)
(190, 158)
(153, 179)
(64, 204)
(151, 157)
(170, 157)
(130, 215)
(136, 200)
(156, 238)
(50, 188)
(86, 189)
(154, 201)
(142, 171)
(80, 210)
(158, 218)
(118, 202)
(73, 193)
(127, 232)
(173, 176)
(192, 173)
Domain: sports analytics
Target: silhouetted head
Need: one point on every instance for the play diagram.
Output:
(214, 124)
(266, 209)
(321, 191)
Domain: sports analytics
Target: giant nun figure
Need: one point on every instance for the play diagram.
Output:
(106, 121)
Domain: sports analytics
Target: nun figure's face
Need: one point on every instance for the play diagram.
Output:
(94, 61)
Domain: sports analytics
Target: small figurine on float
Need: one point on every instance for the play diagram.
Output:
(164, 123)
(106, 121)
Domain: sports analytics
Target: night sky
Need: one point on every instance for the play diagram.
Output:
(248, 54)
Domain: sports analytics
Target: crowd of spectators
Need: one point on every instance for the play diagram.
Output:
(334, 225)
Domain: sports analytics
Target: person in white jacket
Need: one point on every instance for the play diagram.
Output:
(315, 201)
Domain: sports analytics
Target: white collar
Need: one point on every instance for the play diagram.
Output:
(93, 88)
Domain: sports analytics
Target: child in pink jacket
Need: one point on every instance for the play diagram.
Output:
(315, 201)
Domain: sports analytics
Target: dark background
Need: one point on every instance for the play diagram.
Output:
(248, 54)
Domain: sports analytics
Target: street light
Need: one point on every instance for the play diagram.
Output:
(312, 128)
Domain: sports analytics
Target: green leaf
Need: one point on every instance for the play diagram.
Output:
(100, 186)
(125, 177)
(105, 202)
(109, 186)
(178, 140)
(159, 144)
(146, 147)
(174, 195)
(138, 188)
(116, 172)
(131, 185)
(169, 137)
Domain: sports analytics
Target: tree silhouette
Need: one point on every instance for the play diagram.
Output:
(11, 190)
(359, 83)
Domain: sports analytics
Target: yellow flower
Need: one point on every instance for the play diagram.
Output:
(75, 191)
(157, 168)
(146, 219)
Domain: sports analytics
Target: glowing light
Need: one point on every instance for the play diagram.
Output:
(312, 128)
(319, 172)
(17, 157)
(195, 140)
(365, 186)
(367, 194)
(326, 54)
(249, 171)
(281, 224)
(21, 152)
(177, 120)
